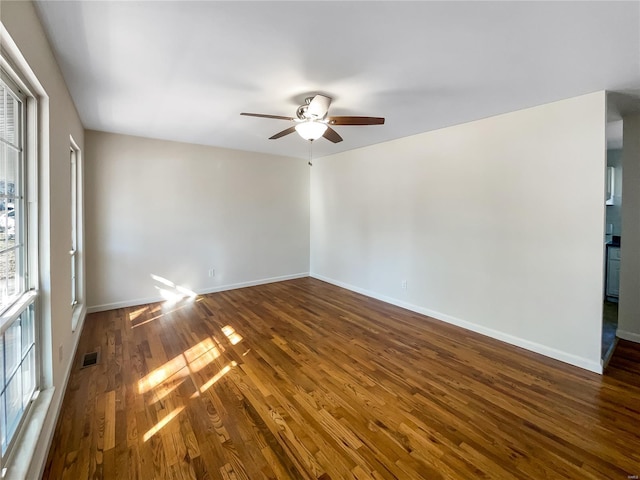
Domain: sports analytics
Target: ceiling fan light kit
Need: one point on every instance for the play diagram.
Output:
(313, 122)
(311, 129)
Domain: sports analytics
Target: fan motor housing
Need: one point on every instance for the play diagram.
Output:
(302, 112)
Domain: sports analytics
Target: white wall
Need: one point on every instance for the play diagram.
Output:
(30, 51)
(629, 306)
(176, 210)
(496, 225)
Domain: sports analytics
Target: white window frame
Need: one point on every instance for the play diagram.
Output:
(75, 161)
(24, 308)
(18, 197)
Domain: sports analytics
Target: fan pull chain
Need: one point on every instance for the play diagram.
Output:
(310, 153)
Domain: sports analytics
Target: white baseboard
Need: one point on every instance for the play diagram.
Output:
(625, 335)
(565, 357)
(202, 291)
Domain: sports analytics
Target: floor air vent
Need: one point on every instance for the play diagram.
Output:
(89, 359)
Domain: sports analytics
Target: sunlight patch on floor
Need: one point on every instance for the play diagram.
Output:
(161, 374)
(162, 423)
(167, 378)
(171, 292)
(160, 315)
(231, 334)
(136, 313)
(215, 378)
(191, 360)
(164, 389)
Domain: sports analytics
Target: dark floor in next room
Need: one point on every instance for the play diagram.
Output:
(609, 326)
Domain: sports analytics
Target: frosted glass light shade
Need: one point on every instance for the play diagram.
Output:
(310, 130)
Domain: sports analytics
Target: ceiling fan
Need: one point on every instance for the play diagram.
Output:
(312, 120)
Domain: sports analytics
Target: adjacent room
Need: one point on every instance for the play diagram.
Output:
(319, 240)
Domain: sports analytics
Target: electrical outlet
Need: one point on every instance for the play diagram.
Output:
(404, 284)
(60, 353)
(212, 272)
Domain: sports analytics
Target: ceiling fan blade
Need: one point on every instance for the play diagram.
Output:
(262, 115)
(283, 133)
(331, 135)
(319, 106)
(356, 120)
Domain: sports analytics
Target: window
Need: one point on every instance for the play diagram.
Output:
(12, 245)
(74, 154)
(19, 362)
(75, 162)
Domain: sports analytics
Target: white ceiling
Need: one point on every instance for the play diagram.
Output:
(185, 70)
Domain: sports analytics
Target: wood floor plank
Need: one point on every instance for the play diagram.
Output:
(304, 380)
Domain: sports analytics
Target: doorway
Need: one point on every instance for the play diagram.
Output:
(613, 238)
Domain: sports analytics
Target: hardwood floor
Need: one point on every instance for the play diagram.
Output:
(304, 380)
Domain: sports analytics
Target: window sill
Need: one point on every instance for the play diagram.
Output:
(16, 309)
(78, 312)
(20, 462)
